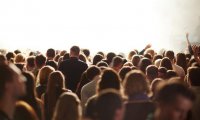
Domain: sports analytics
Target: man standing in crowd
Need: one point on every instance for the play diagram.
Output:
(73, 68)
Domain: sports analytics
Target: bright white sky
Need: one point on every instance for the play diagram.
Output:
(106, 25)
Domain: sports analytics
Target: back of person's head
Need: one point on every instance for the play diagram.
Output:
(148, 56)
(56, 58)
(74, 51)
(52, 63)
(149, 51)
(86, 52)
(40, 60)
(110, 56)
(152, 72)
(67, 107)
(135, 83)
(129, 64)
(171, 74)
(117, 62)
(66, 56)
(102, 64)
(169, 90)
(136, 60)
(144, 63)
(131, 54)
(162, 72)
(23, 111)
(155, 83)
(123, 71)
(109, 79)
(51, 53)
(19, 58)
(44, 73)
(165, 62)
(92, 72)
(56, 80)
(174, 100)
(97, 58)
(30, 63)
(17, 52)
(63, 52)
(3, 59)
(82, 57)
(109, 105)
(156, 57)
(30, 84)
(194, 76)
(101, 53)
(169, 54)
(10, 55)
(10, 74)
(181, 61)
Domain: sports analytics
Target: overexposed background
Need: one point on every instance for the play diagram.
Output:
(106, 25)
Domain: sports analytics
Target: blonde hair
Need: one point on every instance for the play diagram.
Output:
(67, 107)
(135, 82)
(43, 74)
(19, 58)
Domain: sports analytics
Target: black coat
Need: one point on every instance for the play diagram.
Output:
(72, 70)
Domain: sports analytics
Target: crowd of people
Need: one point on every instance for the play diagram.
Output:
(73, 85)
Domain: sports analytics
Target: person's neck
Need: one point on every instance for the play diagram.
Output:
(7, 106)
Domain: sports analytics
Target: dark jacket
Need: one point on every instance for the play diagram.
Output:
(72, 70)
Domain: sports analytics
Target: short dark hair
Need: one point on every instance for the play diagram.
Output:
(40, 60)
(165, 62)
(110, 56)
(117, 61)
(123, 71)
(169, 54)
(53, 64)
(92, 72)
(51, 53)
(86, 52)
(152, 71)
(170, 90)
(111, 100)
(102, 63)
(194, 75)
(75, 50)
(97, 58)
(30, 61)
(10, 55)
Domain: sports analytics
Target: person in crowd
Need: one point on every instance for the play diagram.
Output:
(87, 54)
(23, 111)
(40, 61)
(3, 59)
(88, 90)
(10, 56)
(109, 79)
(82, 57)
(31, 97)
(55, 87)
(113, 102)
(181, 61)
(123, 71)
(30, 63)
(144, 63)
(154, 87)
(19, 61)
(131, 54)
(53, 64)
(193, 80)
(179, 70)
(166, 63)
(68, 107)
(151, 73)
(135, 60)
(102, 64)
(162, 72)
(12, 87)
(117, 63)
(97, 58)
(136, 88)
(73, 68)
(84, 80)
(174, 101)
(50, 54)
(42, 80)
(109, 57)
